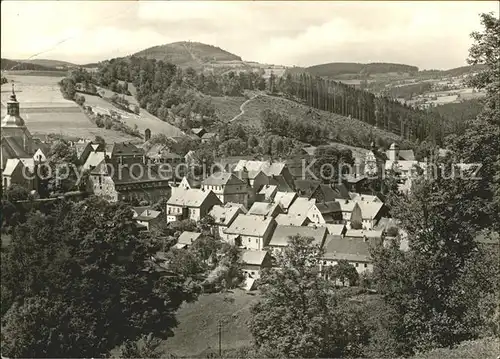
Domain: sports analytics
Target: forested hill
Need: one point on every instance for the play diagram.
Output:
(185, 53)
(346, 68)
(335, 69)
(458, 71)
(339, 69)
(49, 63)
(163, 88)
(382, 112)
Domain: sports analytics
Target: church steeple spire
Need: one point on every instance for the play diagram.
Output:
(12, 104)
(13, 118)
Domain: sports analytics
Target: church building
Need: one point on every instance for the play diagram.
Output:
(17, 155)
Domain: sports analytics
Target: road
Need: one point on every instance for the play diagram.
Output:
(242, 108)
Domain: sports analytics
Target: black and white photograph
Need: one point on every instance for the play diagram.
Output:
(250, 179)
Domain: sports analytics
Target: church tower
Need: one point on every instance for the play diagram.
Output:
(16, 139)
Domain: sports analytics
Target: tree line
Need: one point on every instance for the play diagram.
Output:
(345, 100)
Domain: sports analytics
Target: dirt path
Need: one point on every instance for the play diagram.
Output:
(242, 109)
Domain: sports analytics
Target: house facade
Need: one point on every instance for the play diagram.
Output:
(227, 187)
(283, 233)
(353, 250)
(118, 182)
(254, 232)
(192, 204)
(224, 216)
(149, 218)
(253, 262)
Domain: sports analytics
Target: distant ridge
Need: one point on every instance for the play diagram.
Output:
(7, 65)
(346, 68)
(49, 63)
(336, 69)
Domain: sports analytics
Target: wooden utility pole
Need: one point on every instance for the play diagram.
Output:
(219, 327)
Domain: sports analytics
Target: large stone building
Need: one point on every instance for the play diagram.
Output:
(115, 181)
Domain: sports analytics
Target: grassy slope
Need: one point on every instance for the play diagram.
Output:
(335, 123)
(227, 107)
(487, 348)
(143, 121)
(196, 334)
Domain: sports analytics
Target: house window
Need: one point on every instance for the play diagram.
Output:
(253, 273)
(357, 265)
(324, 263)
(366, 265)
(248, 240)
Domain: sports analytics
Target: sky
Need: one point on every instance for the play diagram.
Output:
(430, 35)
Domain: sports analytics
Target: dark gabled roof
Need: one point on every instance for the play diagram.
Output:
(354, 179)
(282, 235)
(14, 147)
(281, 182)
(351, 249)
(198, 130)
(39, 145)
(330, 192)
(162, 151)
(140, 209)
(328, 207)
(306, 187)
(124, 149)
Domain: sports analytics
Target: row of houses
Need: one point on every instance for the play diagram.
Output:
(267, 236)
(253, 210)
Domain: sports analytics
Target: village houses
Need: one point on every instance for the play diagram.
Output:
(265, 209)
(149, 219)
(192, 204)
(186, 239)
(224, 216)
(323, 212)
(282, 234)
(227, 187)
(251, 232)
(253, 262)
(355, 251)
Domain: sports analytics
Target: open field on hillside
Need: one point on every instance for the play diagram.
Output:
(227, 107)
(46, 111)
(143, 121)
(196, 334)
(343, 129)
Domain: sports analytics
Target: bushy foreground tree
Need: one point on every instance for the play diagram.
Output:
(436, 287)
(442, 290)
(77, 282)
(299, 314)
